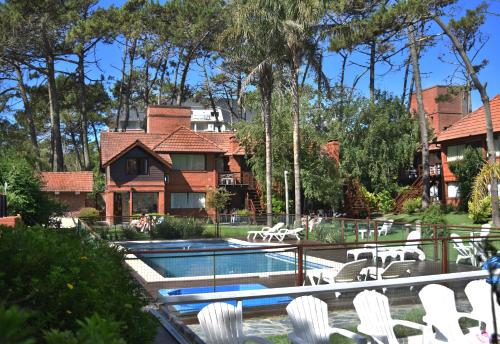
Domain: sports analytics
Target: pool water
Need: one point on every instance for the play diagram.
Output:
(196, 307)
(191, 264)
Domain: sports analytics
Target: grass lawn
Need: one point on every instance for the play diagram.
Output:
(454, 218)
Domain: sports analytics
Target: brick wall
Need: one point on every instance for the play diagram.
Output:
(71, 200)
(10, 221)
(163, 119)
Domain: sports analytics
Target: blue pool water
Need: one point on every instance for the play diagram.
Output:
(196, 307)
(190, 264)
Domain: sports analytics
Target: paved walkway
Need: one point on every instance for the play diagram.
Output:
(348, 319)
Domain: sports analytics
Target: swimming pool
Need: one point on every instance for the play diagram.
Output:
(196, 307)
(226, 263)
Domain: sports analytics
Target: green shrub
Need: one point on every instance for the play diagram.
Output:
(385, 202)
(89, 215)
(412, 205)
(480, 212)
(178, 228)
(433, 215)
(243, 212)
(62, 279)
(328, 233)
(278, 206)
(14, 327)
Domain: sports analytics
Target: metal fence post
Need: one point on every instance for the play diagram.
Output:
(356, 227)
(300, 265)
(434, 233)
(342, 230)
(444, 256)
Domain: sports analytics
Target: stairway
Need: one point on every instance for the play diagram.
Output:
(254, 196)
(414, 191)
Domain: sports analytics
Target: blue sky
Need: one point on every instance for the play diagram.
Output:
(433, 70)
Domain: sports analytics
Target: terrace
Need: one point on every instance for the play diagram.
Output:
(182, 276)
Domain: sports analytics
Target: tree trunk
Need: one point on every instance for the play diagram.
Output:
(405, 80)
(180, 92)
(296, 132)
(96, 138)
(373, 46)
(28, 113)
(120, 99)
(77, 150)
(128, 92)
(266, 87)
(87, 165)
(176, 75)
(163, 67)
(57, 154)
(422, 121)
(490, 143)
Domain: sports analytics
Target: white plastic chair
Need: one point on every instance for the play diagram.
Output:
(284, 232)
(385, 228)
(464, 252)
(479, 245)
(222, 323)
(348, 272)
(309, 317)
(265, 231)
(479, 295)
(376, 320)
(441, 313)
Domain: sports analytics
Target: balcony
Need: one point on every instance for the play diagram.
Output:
(236, 178)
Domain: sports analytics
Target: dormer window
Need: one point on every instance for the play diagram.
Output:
(137, 166)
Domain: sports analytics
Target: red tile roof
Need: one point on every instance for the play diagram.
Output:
(186, 140)
(67, 181)
(180, 140)
(474, 123)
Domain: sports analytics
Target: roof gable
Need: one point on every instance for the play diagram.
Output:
(113, 143)
(139, 144)
(474, 123)
(186, 140)
(67, 181)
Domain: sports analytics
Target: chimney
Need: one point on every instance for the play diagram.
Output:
(163, 119)
(332, 150)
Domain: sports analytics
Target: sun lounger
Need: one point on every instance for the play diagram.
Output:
(348, 272)
(284, 232)
(265, 231)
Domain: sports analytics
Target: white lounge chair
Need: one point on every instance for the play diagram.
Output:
(464, 252)
(479, 294)
(479, 245)
(385, 252)
(348, 272)
(376, 320)
(309, 317)
(441, 313)
(385, 228)
(265, 231)
(395, 269)
(222, 323)
(284, 232)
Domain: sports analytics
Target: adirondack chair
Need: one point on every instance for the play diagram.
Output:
(376, 320)
(309, 317)
(385, 228)
(479, 245)
(284, 232)
(464, 252)
(395, 269)
(265, 231)
(441, 313)
(222, 323)
(479, 295)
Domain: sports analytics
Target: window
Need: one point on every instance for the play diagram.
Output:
(497, 146)
(453, 191)
(144, 202)
(454, 153)
(187, 200)
(188, 162)
(137, 166)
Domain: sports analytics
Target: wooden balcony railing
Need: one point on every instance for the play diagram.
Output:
(237, 178)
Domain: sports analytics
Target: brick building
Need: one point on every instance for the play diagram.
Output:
(69, 188)
(468, 131)
(169, 168)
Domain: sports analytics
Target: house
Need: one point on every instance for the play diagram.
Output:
(468, 131)
(203, 118)
(169, 167)
(69, 188)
